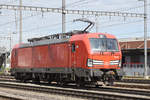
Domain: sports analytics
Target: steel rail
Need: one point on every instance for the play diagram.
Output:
(105, 93)
(138, 84)
(3, 97)
(143, 81)
(126, 83)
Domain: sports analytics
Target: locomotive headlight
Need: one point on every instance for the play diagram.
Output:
(89, 62)
(119, 63)
(114, 62)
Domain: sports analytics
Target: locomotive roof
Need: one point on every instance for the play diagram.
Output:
(54, 39)
(58, 36)
(51, 39)
(44, 42)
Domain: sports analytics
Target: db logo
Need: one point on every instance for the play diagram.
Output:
(116, 57)
(106, 63)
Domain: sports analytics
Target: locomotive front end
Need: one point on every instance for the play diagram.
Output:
(104, 60)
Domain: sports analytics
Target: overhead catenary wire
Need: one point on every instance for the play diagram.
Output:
(119, 10)
(139, 32)
(42, 27)
(133, 34)
(18, 20)
(77, 12)
(46, 26)
(77, 3)
(127, 9)
(36, 15)
(112, 25)
(79, 0)
(71, 21)
(10, 2)
(68, 10)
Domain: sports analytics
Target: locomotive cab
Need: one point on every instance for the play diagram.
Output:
(96, 56)
(105, 56)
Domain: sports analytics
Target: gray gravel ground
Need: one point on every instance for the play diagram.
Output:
(29, 95)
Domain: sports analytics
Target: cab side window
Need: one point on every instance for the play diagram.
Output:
(73, 47)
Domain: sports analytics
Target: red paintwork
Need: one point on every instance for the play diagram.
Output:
(60, 55)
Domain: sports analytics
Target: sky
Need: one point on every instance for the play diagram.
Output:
(37, 24)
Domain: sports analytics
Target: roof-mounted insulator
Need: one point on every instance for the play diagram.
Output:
(56, 36)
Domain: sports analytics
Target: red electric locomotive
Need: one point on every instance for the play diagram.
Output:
(79, 57)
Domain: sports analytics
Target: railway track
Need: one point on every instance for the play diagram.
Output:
(126, 83)
(132, 85)
(126, 80)
(110, 93)
(143, 81)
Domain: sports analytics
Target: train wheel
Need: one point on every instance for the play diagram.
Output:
(97, 85)
(35, 78)
(49, 82)
(80, 82)
(80, 85)
(111, 80)
(60, 83)
(108, 79)
(104, 79)
(111, 84)
(23, 81)
(36, 81)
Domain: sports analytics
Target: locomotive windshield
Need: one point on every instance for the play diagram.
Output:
(103, 44)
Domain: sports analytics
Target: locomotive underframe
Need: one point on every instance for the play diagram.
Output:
(64, 75)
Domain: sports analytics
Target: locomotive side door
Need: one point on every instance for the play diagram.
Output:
(73, 57)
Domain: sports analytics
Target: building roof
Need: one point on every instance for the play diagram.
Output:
(132, 39)
(133, 44)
